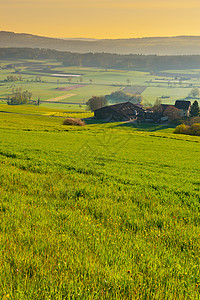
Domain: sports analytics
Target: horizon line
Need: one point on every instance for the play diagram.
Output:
(93, 38)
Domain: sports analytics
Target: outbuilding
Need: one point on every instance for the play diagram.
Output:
(119, 112)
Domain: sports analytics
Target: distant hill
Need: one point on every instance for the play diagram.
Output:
(179, 45)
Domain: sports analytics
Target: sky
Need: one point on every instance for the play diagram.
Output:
(101, 18)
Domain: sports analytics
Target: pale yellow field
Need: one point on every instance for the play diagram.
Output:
(61, 97)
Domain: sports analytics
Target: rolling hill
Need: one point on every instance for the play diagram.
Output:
(179, 45)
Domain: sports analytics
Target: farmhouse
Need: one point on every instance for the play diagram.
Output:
(184, 107)
(119, 112)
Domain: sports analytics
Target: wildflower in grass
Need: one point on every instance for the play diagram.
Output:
(129, 272)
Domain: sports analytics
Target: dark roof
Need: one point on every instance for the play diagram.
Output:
(182, 104)
(165, 106)
(119, 107)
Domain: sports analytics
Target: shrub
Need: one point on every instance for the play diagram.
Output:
(192, 120)
(184, 129)
(172, 113)
(176, 122)
(73, 121)
(194, 129)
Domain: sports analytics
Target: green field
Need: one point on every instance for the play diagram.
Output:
(104, 211)
(96, 82)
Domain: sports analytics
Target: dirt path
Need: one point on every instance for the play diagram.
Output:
(60, 97)
(17, 113)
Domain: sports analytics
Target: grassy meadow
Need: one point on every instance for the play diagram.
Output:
(104, 211)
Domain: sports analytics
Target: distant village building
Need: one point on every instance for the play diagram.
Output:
(120, 112)
(184, 107)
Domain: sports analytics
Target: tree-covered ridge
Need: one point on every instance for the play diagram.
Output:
(106, 60)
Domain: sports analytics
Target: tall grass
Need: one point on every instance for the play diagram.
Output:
(99, 212)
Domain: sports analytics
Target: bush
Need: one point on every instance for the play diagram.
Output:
(176, 122)
(121, 96)
(172, 113)
(184, 129)
(194, 129)
(73, 121)
(192, 120)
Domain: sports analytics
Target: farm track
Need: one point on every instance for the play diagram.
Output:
(16, 113)
(37, 115)
(60, 98)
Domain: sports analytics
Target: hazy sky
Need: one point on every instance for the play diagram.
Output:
(101, 18)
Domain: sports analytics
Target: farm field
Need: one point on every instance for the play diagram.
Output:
(45, 80)
(104, 211)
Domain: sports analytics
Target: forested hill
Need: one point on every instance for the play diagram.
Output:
(180, 45)
(106, 60)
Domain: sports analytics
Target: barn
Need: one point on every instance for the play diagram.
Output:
(119, 112)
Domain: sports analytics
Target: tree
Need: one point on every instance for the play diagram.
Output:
(172, 113)
(29, 95)
(121, 96)
(38, 78)
(136, 99)
(96, 102)
(19, 97)
(194, 93)
(195, 110)
(157, 106)
(69, 79)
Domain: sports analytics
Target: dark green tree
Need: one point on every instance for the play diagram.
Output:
(195, 110)
(96, 102)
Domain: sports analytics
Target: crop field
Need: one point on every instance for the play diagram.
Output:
(104, 211)
(50, 79)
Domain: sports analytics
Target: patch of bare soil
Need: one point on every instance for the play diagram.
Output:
(72, 87)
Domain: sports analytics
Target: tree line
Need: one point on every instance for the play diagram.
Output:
(106, 60)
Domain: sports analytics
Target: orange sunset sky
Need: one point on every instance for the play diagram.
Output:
(101, 18)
